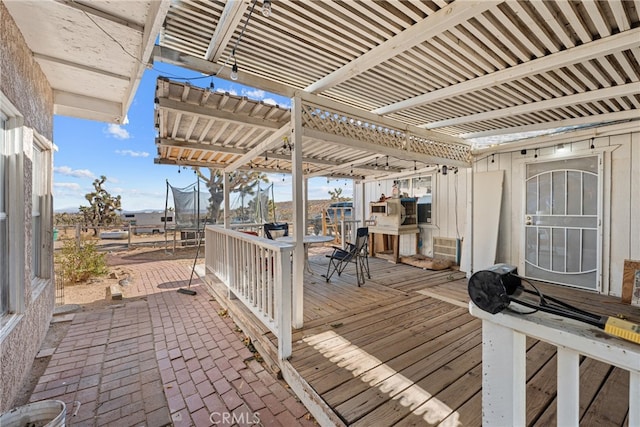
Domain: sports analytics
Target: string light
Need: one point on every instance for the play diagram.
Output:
(493, 158)
(266, 8)
(387, 165)
(234, 68)
(376, 165)
(592, 144)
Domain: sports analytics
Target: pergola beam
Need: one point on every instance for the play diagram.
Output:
(380, 149)
(599, 48)
(273, 140)
(226, 26)
(208, 112)
(448, 17)
(172, 56)
(601, 118)
(172, 143)
(594, 95)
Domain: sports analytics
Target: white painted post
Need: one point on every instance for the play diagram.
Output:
(283, 302)
(568, 387)
(634, 398)
(227, 203)
(503, 376)
(298, 215)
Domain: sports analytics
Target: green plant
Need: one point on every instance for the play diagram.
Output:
(78, 264)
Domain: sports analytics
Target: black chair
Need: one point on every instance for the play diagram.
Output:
(356, 253)
(273, 226)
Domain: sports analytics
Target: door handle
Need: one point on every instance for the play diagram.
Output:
(528, 220)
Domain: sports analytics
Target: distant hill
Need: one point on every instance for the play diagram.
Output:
(284, 211)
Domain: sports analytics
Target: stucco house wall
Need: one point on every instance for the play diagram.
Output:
(24, 86)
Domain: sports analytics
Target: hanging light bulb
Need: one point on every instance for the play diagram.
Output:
(376, 165)
(386, 167)
(234, 70)
(266, 8)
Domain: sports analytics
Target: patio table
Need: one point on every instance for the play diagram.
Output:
(307, 240)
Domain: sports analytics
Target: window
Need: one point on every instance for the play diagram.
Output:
(4, 229)
(422, 189)
(38, 193)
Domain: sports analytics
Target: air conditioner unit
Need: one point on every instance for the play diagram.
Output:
(446, 248)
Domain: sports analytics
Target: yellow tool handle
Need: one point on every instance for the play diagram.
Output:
(623, 329)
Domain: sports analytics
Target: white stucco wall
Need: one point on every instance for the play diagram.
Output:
(23, 84)
(620, 148)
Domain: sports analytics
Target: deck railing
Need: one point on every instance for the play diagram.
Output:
(256, 271)
(504, 364)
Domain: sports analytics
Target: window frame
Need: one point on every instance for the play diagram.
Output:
(13, 190)
(42, 231)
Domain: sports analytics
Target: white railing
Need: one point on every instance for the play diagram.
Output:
(504, 364)
(256, 271)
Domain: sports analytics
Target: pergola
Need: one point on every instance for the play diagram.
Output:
(398, 82)
(466, 69)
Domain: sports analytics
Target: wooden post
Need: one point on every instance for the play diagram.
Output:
(284, 302)
(568, 387)
(503, 376)
(78, 240)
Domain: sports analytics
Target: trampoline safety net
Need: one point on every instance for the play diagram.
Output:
(190, 206)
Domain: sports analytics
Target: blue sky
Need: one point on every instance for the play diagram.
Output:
(124, 153)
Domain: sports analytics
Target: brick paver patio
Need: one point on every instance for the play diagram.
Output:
(164, 358)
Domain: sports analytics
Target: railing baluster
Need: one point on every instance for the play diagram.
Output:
(257, 272)
(504, 376)
(568, 387)
(634, 399)
(504, 352)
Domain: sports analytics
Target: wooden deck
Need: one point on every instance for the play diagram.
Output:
(403, 350)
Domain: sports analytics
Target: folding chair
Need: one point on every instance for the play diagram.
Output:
(273, 226)
(356, 253)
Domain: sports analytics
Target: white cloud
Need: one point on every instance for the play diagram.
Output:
(132, 153)
(77, 173)
(67, 186)
(254, 93)
(230, 91)
(118, 131)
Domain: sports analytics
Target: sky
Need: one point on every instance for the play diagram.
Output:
(124, 154)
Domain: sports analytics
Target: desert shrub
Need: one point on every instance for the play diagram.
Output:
(78, 264)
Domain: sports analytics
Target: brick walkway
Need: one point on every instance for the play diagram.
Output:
(164, 359)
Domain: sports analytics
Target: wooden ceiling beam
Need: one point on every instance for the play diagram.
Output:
(594, 95)
(174, 57)
(575, 55)
(447, 17)
(601, 118)
(226, 26)
(90, 10)
(208, 112)
(273, 140)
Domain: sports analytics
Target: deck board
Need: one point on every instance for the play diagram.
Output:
(402, 350)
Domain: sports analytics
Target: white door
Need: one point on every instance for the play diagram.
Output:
(562, 221)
